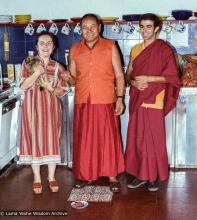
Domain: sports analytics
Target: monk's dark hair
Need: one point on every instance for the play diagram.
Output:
(90, 15)
(153, 17)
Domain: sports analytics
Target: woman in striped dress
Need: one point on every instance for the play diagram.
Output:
(41, 112)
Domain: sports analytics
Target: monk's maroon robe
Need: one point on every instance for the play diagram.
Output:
(146, 154)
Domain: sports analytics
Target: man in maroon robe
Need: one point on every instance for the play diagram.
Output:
(155, 84)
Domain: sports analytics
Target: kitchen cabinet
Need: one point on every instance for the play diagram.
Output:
(181, 126)
(9, 109)
(67, 128)
(185, 126)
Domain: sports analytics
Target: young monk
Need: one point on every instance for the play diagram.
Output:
(153, 75)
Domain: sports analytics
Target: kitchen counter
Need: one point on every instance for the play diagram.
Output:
(181, 125)
(9, 109)
(183, 149)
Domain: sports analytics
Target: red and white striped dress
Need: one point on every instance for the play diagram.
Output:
(41, 121)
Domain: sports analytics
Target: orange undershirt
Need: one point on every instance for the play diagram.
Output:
(159, 100)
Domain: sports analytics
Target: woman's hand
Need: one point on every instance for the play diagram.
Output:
(46, 84)
(38, 70)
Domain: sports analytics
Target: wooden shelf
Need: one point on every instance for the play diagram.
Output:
(105, 23)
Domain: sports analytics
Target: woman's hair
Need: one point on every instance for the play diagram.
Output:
(47, 33)
(156, 20)
(90, 15)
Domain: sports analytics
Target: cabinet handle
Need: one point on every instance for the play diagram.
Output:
(182, 99)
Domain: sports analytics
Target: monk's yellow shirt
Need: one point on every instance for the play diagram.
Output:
(159, 101)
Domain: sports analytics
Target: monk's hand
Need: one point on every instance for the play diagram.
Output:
(142, 79)
(139, 85)
(66, 75)
(119, 106)
(142, 82)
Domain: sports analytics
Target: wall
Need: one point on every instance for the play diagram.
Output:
(21, 43)
(65, 8)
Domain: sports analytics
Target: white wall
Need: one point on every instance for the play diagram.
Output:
(53, 9)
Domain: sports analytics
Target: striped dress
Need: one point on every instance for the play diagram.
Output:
(41, 120)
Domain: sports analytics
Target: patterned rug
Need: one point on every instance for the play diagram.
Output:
(91, 194)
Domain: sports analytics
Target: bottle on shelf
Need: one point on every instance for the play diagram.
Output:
(6, 45)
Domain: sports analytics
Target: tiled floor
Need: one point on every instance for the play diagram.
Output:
(176, 199)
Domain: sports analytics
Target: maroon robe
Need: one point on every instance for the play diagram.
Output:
(146, 154)
(97, 147)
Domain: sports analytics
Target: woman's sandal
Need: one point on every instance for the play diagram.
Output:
(37, 188)
(114, 186)
(53, 186)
